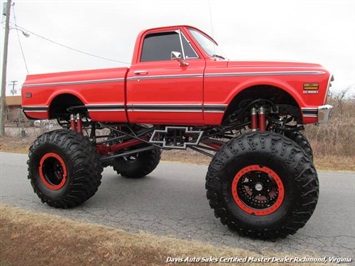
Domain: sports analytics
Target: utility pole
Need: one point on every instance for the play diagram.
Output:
(4, 68)
(13, 83)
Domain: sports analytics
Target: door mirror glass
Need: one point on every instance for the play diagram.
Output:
(177, 56)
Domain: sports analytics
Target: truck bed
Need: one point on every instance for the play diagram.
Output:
(101, 90)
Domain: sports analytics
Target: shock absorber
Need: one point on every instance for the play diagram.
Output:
(254, 119)
(262, 120)
(76, 123)
(72, 122)
(79, 123)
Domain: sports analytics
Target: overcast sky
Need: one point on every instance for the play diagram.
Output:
(317, 31)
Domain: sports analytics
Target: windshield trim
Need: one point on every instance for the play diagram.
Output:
(212, 51)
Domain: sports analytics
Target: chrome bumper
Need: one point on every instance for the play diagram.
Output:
(324, 112)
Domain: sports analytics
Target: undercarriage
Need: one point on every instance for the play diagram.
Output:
(261, 181)
(119, 140)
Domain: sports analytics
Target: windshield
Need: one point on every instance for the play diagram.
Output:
(210, 47)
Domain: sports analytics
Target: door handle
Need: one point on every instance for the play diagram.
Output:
(140, 72)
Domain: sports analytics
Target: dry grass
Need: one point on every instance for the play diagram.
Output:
(15, 145)
(335, 163)
(336, 138)
(38, 239)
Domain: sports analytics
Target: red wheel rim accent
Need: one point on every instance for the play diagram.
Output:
(52, 171)
(258, 190)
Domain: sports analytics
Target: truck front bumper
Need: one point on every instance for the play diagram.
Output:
(324, 112)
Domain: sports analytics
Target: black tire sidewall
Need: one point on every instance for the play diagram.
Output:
(51, 194)
(82, 163)
(301, 141)
(274, 219)
(281, 155)
(144, 164)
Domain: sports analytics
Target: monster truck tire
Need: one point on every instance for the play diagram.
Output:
(137, 165)
(301, 140)
(262, 185)
(64, 168)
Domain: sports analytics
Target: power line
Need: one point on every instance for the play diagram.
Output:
(19, 40)
(68, 47)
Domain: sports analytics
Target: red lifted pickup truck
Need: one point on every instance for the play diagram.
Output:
(180, 92)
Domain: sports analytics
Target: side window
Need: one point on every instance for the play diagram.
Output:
(158, 46)
(189, 51)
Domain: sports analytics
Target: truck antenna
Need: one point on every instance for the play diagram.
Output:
(211, 21)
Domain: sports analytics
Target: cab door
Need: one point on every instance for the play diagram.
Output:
(165, 91)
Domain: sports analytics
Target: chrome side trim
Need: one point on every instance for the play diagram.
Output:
(309, 112)
(178, 108)
(169, 105)
(106, 110)
(166, 77)
(165, 110)
(66, 83)
(35, 109)
(215, 105)
(214, 108)
(309, 115)
(105, 107)
(35, 106)
(266, 73)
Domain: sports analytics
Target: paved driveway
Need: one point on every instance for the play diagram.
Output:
(171, 201)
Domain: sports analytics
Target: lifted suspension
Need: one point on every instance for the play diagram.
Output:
(76, 123)
(128, 140)
(104, 150)
(258, 119)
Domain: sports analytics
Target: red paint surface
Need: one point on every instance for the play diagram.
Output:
(220, 81)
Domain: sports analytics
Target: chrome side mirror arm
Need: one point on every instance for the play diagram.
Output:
(177, 56)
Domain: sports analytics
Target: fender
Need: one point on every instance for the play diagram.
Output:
(263, 81)
(66, 91)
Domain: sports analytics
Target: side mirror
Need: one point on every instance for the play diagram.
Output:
(177, 56)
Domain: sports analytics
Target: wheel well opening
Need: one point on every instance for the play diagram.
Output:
(60, 104)
(274, 94)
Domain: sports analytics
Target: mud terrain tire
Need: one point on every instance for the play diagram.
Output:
(301, 140)
(64, 168)
(262, 185)
(137, 165)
